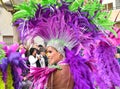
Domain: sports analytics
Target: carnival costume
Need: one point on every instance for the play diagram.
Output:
(78, 30)
(11, 66)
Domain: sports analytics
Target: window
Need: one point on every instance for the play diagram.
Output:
(8, 40)
(109, 6)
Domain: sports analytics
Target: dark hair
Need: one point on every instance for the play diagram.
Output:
(42, 50)
(40, 45)
(32, 50)
(38, 51)
(118, 50)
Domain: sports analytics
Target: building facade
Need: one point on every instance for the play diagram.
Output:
(114, 7)
(8, 32)
(6, 28)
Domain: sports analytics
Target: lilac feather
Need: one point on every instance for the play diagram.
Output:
(3, 67)
(46, 19)
(107, 65)
(80, 71)
(17, 65)
(40, 77)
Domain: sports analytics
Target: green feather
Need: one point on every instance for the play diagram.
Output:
(24, 7)
(2, 84)
(92, 6)
(25, 10)
(9, 83)
(48, 2)
(69, 0)
(101, 18)
(55, 66)
(75, 5)
(20, 14)
(2, 53)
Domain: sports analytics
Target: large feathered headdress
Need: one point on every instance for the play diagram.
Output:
(66, 23)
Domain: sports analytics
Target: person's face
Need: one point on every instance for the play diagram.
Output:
(42, 53)
(53, 55)
(34, 53)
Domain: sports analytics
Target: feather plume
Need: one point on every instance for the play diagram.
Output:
(17, 63)
(25, 10)
(75, 24)
(2, 84)
(2, 52)
(88, 17)
(80, 71)
(9, 81)
(11, 68)
(107, 65)
(40, 77)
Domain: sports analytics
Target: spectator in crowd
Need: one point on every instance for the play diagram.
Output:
(22, 50)
(44, 59)
(33, 59)
(118, 54)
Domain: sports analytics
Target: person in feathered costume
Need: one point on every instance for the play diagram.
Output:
(2, 55)
(11, 66)
(70, 26)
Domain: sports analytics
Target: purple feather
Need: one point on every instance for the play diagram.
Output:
(54, 20)
(40, 77)
(17, 66)
(3, 67)
(16, 77)
(107, 65)
(80, 71)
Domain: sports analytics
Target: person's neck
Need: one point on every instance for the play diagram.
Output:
(63, 59)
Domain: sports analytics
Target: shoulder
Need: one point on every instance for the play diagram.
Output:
(30, 56)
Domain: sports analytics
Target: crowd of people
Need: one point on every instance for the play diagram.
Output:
(35, 56)
(118, 54)
(80, 52)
